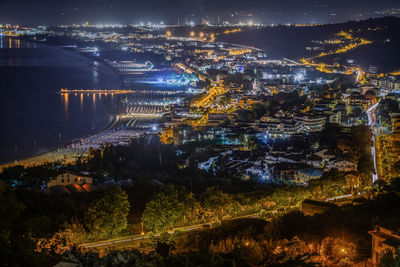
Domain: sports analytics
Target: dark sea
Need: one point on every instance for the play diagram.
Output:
(34, 116)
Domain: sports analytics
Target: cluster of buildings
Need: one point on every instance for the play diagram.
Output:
(297, 103)
(386, 84)
(236, 95)
(283, 164)
(15, 30)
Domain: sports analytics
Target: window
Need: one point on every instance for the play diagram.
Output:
(62, 180)
(76, 180)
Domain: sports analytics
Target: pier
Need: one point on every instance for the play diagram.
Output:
(96, 91)
(120, 91)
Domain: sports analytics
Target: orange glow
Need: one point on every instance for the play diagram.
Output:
(232, 31)
(89, 91)
(65, 98)
(236, 52)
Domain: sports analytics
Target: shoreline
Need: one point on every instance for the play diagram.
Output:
(66, 152)
(54, 154)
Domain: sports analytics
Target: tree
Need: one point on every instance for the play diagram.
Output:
(332, 182)
(107, 216)
(64, 240)
(218, 202)
(366, 164)
(12, 173)
(395, 184)
(168, 208)
(390, 259)
(361, 137)
(396, 168)
(329, 135)
(337, 250)
(16, 244)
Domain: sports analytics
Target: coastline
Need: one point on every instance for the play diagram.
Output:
(53, 153)
(66, 152)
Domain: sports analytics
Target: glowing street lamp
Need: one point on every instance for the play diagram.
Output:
(168, 34)
(192, 34)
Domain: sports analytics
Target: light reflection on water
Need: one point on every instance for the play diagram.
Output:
(36, 116)
(11, 43)
(65, 101)
(69, 100)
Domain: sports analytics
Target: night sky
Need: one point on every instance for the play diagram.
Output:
(133, 11)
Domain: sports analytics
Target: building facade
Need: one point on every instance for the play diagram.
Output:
(382, 240)
(70, 178)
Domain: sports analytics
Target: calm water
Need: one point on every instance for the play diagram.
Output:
(34, 116)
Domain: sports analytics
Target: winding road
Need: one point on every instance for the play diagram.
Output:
(371, 123)
(130, 238)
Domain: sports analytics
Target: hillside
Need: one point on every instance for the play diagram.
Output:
(291, 41)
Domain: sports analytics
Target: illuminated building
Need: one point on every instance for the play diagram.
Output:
(382, 240)
(69, 178)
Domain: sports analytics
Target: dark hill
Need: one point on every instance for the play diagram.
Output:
(291, 41)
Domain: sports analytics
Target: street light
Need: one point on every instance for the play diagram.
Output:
(142, 233)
